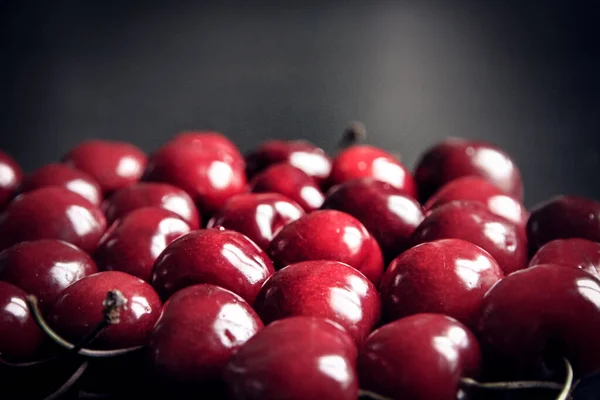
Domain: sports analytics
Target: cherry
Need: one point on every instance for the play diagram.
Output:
(52, 213)
(456, 157)
(534, 316)
(45, 267)
(419, 357)
(291, 182)
(259, 216)
(448, 276)
(301, 154)
(133, 243)
(220, 257)
(112, 164)
(475, 223)
(147, 194)
(328, 289)
(390, 215)
(200, 328)
(563, 217)
(79, 307)
(207, 140)
(577, 253)
(328, 235)
(476, 188)
(318, 363)
(10, 178)
(366, 161)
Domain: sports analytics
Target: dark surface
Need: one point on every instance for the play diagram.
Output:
(523, 74)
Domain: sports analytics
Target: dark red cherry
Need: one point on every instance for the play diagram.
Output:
(448, 276)
(478, 189)
(314, 358)
(563, 217)
(421, 357)
(260, 216)
(328, 289)
(113, 164)
(290, 182)
(10, 178)
(133, 243)
(455, 157)
(52, 213)
(207, 140)
(219, 257)
(577, 253)
(475, 223)
(366, 161)
(45, 267)
(388, 213)
(200, 328)
(20, 337)
(148, 194)
(78, 309)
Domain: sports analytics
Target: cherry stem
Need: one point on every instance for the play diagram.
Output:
(61, 391)
(355, 133)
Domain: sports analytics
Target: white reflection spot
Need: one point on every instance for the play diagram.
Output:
(17, 307)
(469, 270)
(7, 175)
(345, 303)
(84, 189)
(335, 367)
(506, 207)
(177, 205)
(139, 306)
(264, 217)
(312, 196)
(491, 160)
(400, 205)
(248, 266)
(129, 167)
(233, 326)
(82, 220)
(590, 290)
(352, 238)
(498, 234)
(65, 273)
(387, 171)
(312, 164)
(220, 174)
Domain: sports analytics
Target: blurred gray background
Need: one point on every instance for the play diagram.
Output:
(521, 74)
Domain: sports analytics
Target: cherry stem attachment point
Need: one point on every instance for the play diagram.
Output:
(355, 133)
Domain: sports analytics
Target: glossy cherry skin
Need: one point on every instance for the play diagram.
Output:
(301, 154)
(149, 194)
(421, 357)
(534, 317)
(45, 267)
(577, 253)
(10, 178)
(365, 161)
(20, 337)
(113, 164)
(52, 213)
(388, 213)
(260, 216)
(78, 309)
(327, 289)
(563, 217)
(328, 235)
(219, 257)
(478, 189)
(473, 222)
(207, 140)
(290, 182)
(448, 276)
(456, 157)
(319, 362)
(200, 328)
(133, 243)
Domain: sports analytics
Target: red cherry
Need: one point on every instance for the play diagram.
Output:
(52, 213)
(301, 154)
(78, 309)
(421, 357)
(10, 178)
(478, 189)
(455, 157)
(534, 317)
(133, 243)
(207, 140)
(328, 235)
(258, 216)
(576, 253)
(390, 215)
(474, 223)
(447, 276)
(200, 328)
(20, 337)
(290, 182)
(112, 164)
(365, 161)
(563, 217)
(314, 358)
(45, 268)
(328, 289)
(219, 257)
(146, 194)
(62, 175)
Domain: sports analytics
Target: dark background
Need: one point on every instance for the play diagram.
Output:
(521, 74)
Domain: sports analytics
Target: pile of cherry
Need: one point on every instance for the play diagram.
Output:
(198, 272)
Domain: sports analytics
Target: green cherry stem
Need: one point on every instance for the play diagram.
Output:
(61, 391)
